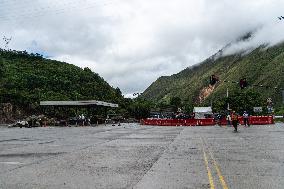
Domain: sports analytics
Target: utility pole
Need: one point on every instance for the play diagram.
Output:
(283, 96)
(228, 105)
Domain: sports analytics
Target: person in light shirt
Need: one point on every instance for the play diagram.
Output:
(246, 119)
(229, 119)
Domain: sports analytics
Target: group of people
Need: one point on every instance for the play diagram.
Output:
(83, 121)
(233, 119)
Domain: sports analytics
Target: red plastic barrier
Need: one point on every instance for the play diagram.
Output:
(241, 120)
(178, 122)
(223, 122)
(206, 122)
(271, 119)
(166, 122)
(253, 120)
(261, 120)
(190, 122)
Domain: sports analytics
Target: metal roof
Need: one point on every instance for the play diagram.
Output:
(202, 109)
(78, 103)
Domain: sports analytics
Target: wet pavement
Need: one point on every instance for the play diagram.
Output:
(135, 156)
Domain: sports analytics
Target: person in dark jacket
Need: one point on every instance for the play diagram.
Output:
(235, 121)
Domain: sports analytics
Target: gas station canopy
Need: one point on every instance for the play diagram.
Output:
(78, 103)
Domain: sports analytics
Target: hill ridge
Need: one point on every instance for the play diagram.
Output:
(261, 66)
(26, 79)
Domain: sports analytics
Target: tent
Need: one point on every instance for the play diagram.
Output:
(200, 112)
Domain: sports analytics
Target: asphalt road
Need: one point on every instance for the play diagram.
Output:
(135, 156)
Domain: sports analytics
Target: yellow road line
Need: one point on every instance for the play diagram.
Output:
(221, 178)
(211, 181)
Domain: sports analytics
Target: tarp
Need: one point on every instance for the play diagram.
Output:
(200, 112)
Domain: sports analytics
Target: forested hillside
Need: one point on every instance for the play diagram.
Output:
(263, 69)
(26, 79)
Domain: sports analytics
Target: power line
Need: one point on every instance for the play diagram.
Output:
(255, 85)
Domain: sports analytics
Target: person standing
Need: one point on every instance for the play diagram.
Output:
(235, 121)
(229, 119)
(246, 118)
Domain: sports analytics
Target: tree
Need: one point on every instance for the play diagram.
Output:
(239, 101)
(27, 78)
(2, 69)
(175, 102)
(140, 109)
(118, 92)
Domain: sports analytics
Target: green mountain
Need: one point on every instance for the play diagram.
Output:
(263, 69)
(26, 79)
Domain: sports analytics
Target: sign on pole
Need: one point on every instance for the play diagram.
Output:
(257, 109)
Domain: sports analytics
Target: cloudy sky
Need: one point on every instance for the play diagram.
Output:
(131, 43)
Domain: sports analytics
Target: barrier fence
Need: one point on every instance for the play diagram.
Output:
(178, 122)
(253, 120)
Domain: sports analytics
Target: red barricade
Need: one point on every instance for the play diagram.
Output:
(206, 122)
(174, 122)
(167, 122)
(223, 121)
(261, 120)
(241, 120)
(271, 119)
(190, 122)
(253, 120)
(178, 122)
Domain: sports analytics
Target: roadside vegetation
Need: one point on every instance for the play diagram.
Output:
(263, 69)
(26, 79)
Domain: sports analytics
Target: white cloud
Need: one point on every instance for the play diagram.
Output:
(270, 34)
(132, 42)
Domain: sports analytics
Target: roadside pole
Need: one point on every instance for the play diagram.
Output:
(283, 96)
(228, 105)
